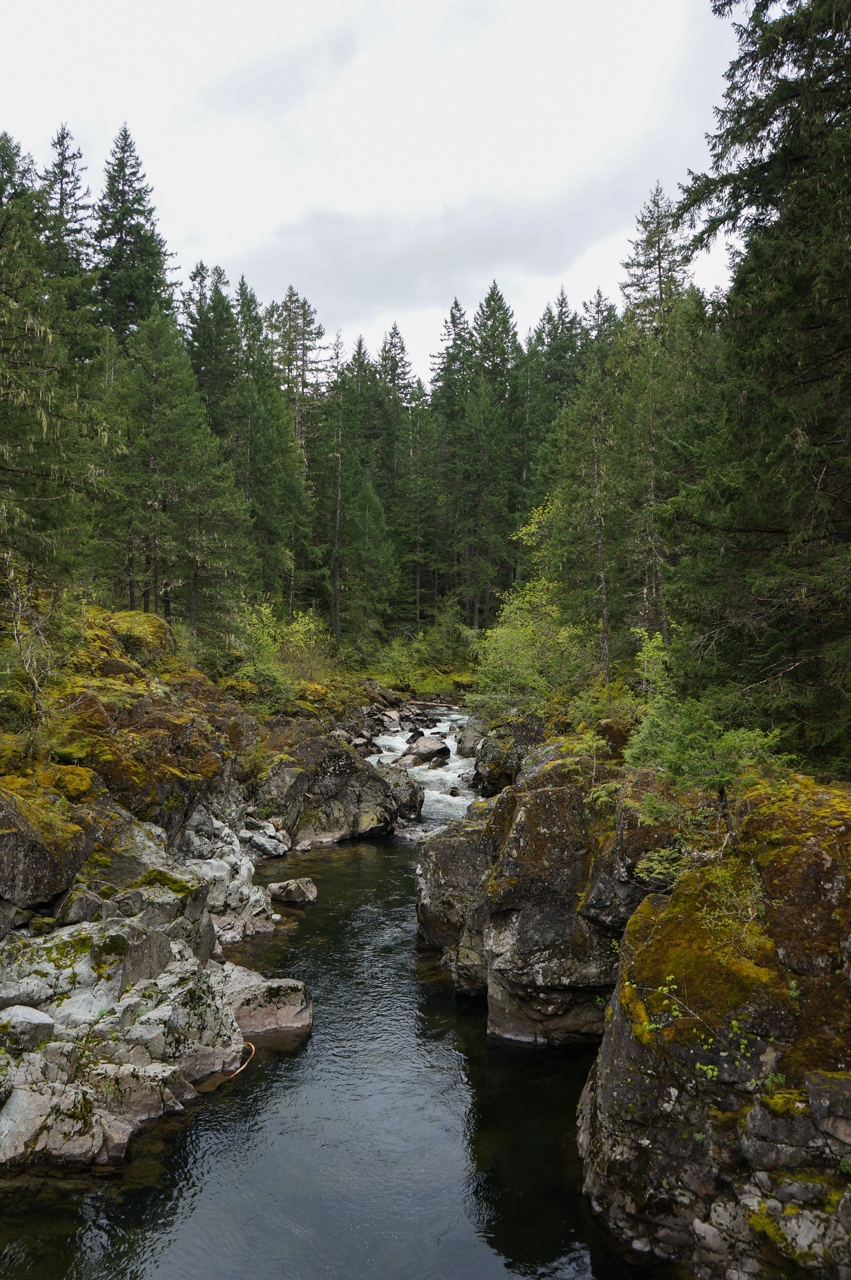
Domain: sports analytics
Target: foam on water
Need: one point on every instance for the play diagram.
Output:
(439, 805)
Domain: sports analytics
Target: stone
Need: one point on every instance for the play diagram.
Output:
(720, 1045)
(502, 894)
(293, 892)
(408, 795)
(267, 1010)
(426, 749)
(471, 736)
(80, 905)
(23, 1029)
(42, 847)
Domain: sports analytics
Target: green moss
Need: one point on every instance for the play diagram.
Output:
(760, 1222)
(163, 880)
(68, 951)
(786, 1102)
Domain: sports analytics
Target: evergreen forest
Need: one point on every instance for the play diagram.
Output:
(641, 492)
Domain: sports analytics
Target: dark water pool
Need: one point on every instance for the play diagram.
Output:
(396, 1143)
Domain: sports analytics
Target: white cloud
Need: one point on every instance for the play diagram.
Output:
(382, 156)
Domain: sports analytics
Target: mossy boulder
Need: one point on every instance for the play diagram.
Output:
(528, 896)
(43, 843)
(318, 788)
(726, 1061)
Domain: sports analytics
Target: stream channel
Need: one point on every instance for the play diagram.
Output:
(396, 1143)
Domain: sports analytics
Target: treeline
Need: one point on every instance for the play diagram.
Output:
(676, 465)
(183, 450)
(699, 479)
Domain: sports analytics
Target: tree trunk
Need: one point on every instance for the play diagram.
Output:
(724, 806)
(601, 559)
(193, 597)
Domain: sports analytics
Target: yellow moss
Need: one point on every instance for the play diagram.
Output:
(44, 811)
(142, 632)
(760, 1222)
(787, 1102)
(71, 781)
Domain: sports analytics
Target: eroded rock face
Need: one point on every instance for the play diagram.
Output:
(714, 1122)
(528, 896)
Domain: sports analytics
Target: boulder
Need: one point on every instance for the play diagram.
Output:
(267, 1010)
(471, 736)
(327, 792)
(408, 795)
(715, 1124)
(23, 1028)
(294, 893)
(43, 843)
(80, 905)
(426, 749)
(500, 755)
(529, 893)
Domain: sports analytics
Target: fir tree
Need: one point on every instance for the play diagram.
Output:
(68, 232)
(130, 254)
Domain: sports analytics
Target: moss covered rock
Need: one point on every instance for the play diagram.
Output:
(529, 895)
(724, 1077)
(43, 843)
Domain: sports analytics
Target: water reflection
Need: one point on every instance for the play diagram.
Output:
(396, 1144)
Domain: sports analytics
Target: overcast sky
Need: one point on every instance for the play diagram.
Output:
(384, 157)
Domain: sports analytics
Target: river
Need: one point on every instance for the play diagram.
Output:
(395, 1144)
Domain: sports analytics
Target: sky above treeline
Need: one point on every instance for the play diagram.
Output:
(385, 157)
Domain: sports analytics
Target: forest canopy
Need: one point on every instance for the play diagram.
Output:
(667, 464)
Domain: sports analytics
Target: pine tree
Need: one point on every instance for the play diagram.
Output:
(212, 340)
(130, 254)
(46, 427)
(657, 271)
(174, 532)
(586, 516)
(68, 233)
(770, 503)
(268, 464)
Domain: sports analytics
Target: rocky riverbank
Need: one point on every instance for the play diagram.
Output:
(129, 836)
(715, 1128)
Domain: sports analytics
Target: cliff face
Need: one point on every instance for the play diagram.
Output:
(716, 1125)
(528, 897)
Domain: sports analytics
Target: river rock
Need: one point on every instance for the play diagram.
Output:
(293, 892)
(323, 791)
(500, 754)
(408, 795)
(426, 749)
(471, 736)
(527, 897)
(267, 1010)
(714, 1122)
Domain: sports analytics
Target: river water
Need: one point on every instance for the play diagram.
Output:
(395, 1144)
